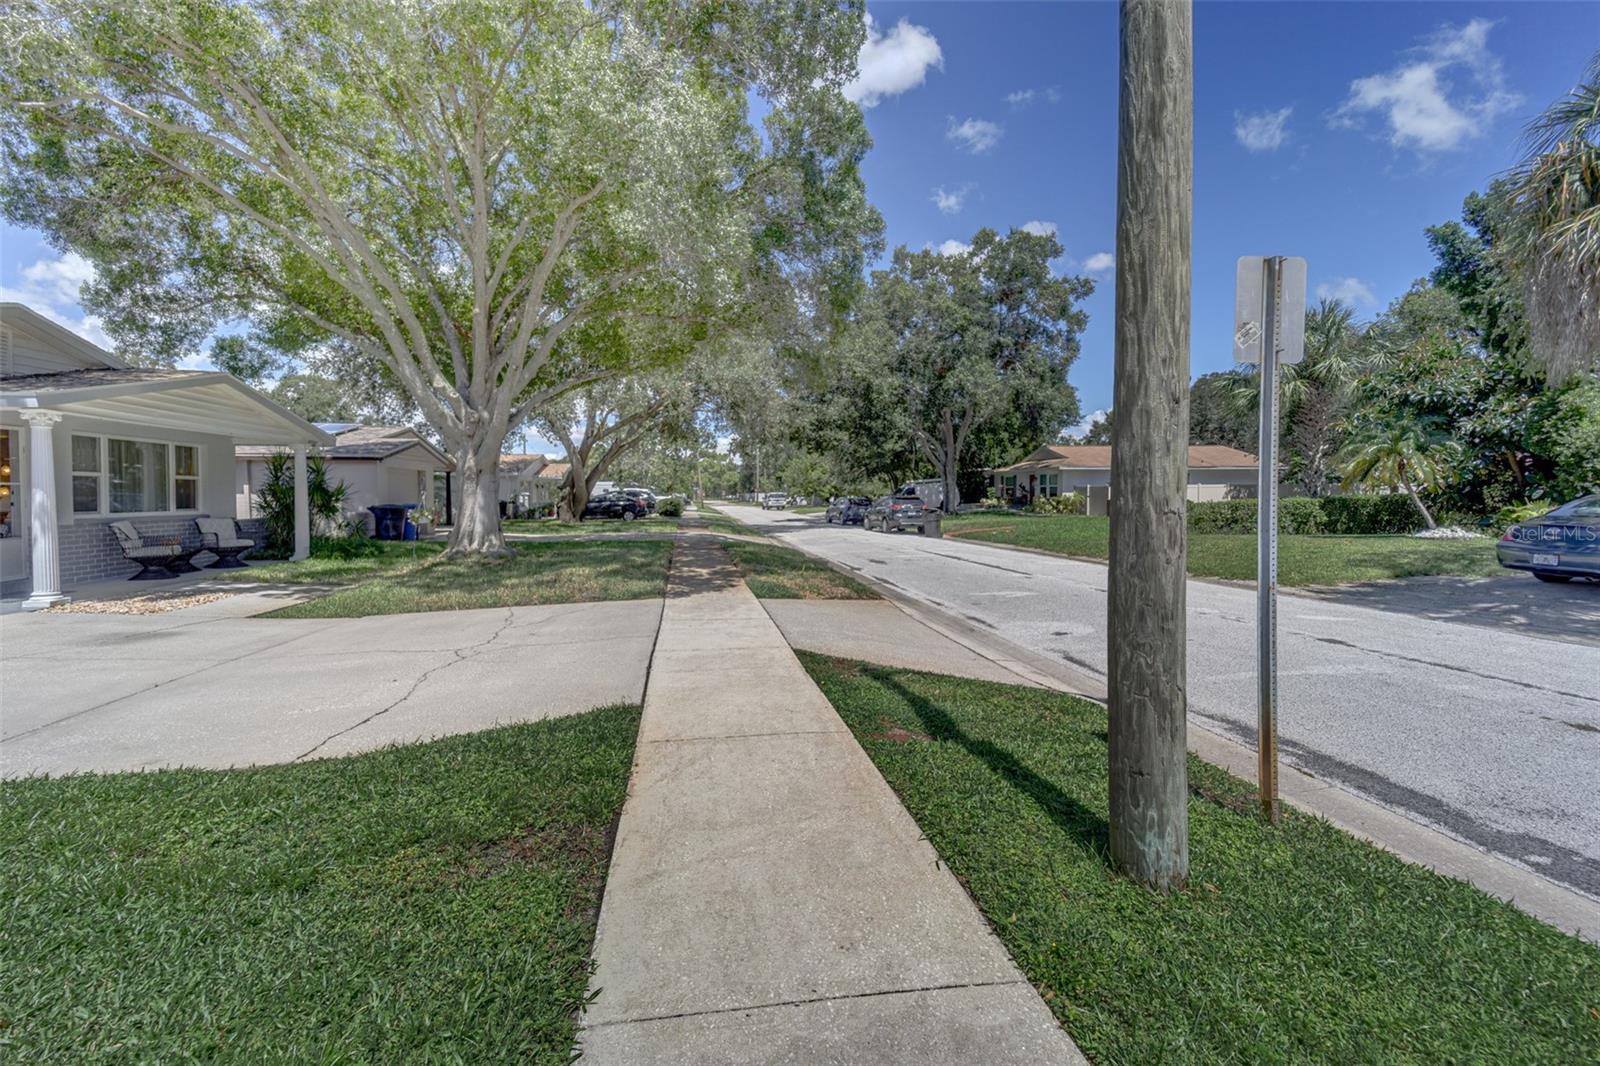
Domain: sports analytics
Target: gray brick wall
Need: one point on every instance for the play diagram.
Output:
(90, 552)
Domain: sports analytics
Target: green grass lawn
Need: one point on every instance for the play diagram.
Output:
(809, 508)
(433, 903)
(775, 573)
(712, 520)
(1302, 560)
(381, 556)
(1292, 944)
(557, 571)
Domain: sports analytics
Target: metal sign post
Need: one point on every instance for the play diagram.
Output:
(1269, 328)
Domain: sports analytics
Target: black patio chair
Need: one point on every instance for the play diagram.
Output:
(153, 558)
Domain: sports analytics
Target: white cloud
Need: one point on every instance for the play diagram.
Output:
(1262, 132)
(50, 287)
(1100, 263)
(1039, 229)
(1420, 104)
(1084, 424)
(1352, 291)
(976, 135)
(950, 201)
(892, 63)
(953, 247)
(1024, 97)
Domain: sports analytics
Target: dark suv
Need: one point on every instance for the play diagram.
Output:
(848, 510)
(615, 505)
(891, 514)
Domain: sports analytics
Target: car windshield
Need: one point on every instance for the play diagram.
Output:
(1582, 507)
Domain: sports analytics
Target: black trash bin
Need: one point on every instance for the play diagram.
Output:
(388, 520)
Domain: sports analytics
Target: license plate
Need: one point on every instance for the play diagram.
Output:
(1546, 560)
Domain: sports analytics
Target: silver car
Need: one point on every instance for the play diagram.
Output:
(1558, 546)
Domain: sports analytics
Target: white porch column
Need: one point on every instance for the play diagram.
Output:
(44, 534)
(302, 506)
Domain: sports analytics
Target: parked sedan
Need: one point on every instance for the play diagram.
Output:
(614, 505)
(1557, 546)
(644, 496)
(891, 514)
(848, 510)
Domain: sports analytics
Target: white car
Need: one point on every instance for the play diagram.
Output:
(774, 501)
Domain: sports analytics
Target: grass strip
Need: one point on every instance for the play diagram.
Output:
(428, 903)
(1292, 944)
(536, 573)
(375, 557)
(1302, 560)
(777, 573)
(591, 527)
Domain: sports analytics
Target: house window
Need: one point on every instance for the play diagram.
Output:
(1049, 484)
(87, 473)
(10, 484)
(140, 476)
(185, 477)
(1009, 484)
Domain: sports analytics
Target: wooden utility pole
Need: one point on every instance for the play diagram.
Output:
(1149, 445)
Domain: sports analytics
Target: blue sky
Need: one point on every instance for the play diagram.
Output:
(1333, 131)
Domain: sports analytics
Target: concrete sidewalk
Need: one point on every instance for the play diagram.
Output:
(769, 899)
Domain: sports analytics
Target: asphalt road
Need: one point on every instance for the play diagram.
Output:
(1490, 733)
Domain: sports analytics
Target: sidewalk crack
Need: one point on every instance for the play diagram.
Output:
(807, 1001)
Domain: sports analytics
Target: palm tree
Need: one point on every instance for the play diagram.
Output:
(1330, 359)
(1554, 204)
(1402, 457)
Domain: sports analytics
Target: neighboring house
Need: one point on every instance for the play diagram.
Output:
(87, 440)
(528, 481)
(1215, 473)
(378, 464)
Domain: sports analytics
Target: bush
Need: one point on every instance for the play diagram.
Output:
(1394, 513)
(1522, 512)
(346, 547)
(1066, 503)
(275, 502)
(1345, 515)
(671, 507)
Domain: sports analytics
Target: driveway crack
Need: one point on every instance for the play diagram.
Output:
(460, 655)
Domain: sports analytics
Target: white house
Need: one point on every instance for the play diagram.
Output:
(379, 464)
(528, 481)
(1215, 473)
(86, 440)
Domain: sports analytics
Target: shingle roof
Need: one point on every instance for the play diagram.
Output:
(516, 463)
(1098, 457)
(554, 471)
(360, 442)
(94, 377)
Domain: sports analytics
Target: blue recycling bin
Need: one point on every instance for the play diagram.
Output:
(389, 521)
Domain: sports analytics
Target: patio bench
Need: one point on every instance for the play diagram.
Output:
(153, 557)
(221, 536)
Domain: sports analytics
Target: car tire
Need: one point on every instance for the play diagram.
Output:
(628, 516)
(1554, 579)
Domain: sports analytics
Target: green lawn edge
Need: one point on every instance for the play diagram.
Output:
(1292, 944)
(1302, 560)
(428, 902)
(546, 572)
(774, 572)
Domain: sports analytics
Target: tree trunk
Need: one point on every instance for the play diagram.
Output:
(477, 529)
(1149, 792)
(948, 468)
(1427, 515)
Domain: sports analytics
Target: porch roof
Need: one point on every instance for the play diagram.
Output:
(202, 401)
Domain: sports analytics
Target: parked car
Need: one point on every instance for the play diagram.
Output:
(774, 501)
(645, 496)
(1558, 546)
(891, 514)
(615, 504)
(848, 510)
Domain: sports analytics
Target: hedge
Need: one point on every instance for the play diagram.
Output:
(1304, 514)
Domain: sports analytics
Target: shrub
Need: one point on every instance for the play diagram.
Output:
(1066, 503)
(1522, 512)
(1309, 515)
(671, 507)
(1394, 513)
(275, 502)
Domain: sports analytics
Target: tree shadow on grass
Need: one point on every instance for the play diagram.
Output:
(1077, 821)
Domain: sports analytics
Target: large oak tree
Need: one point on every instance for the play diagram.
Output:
(480, 198)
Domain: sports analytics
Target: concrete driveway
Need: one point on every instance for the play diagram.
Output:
(1490, 732)
(210, 686)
